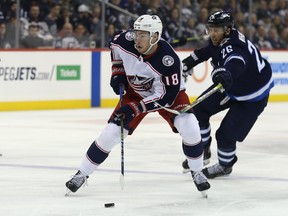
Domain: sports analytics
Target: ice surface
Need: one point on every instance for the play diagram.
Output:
(42, 149)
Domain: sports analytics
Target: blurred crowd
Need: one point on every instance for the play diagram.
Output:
(71, 24)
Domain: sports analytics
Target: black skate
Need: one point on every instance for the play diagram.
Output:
(206, 159)
(218, 170)
(201, 182)
(76, 182)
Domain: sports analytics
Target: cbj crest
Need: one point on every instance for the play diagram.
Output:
(141, 83)
(129, 36)
(168, 60)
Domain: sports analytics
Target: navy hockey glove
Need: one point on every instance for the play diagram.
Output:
(188, 64)
(118, 77)
(223, 76)
(128, 112)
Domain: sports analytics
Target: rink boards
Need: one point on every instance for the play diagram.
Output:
(62, 79)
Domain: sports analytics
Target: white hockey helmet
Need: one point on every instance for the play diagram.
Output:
(149, 23)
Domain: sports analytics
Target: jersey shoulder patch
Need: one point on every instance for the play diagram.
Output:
(129, 35)
(168, 60)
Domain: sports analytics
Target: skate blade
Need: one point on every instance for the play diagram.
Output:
(206, 162)
(204, 194)
(185, 170)
(68, 192)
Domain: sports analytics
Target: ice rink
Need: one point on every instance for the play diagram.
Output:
(43, 149)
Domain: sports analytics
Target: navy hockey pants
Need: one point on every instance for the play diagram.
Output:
(238, 121)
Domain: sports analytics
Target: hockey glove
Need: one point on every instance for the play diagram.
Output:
(127, 113)
(118, 77)
(223, 76)
(188, 64)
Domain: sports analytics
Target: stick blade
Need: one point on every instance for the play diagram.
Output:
(121, 180)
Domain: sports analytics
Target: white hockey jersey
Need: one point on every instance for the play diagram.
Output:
(155, 77)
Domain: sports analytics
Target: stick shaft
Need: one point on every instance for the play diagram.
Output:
(203, 97)
(194, 103)
(122, 139)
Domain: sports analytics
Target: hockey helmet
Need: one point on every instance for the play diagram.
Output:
(149, 23)
(221, 19)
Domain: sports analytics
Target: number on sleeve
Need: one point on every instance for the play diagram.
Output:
(172, 80)
(260, 62)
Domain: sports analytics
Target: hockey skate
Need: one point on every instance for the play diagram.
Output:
(218, 170)
(76, 182)
(201, 182)
(206, 159)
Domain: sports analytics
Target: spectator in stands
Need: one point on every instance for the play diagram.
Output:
(82, 36)
(5, 42)
(202, 19)
(96, 26)
(190, 32)
(131, 6)
(285, 20)
(52, 18)
(2, 17)
(115, 17)
(174, 25)
(272, 8)
(35, 16)
(261, 11)
(269, 14)
(142, 7)
(186, 10)
(32, 40)
(260, 39)
(273, 38)
(66, 39)
(282, 7)
(283, 40)
(4, 8)
(110, 32)
(83, 16)
(239, 19)
(276, 22)
(11, 28)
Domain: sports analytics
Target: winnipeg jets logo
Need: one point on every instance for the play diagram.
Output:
(224, 15)
(168, 60)
(139, 83)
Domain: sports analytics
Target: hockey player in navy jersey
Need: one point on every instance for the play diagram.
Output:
(247, 79)
(151, 73)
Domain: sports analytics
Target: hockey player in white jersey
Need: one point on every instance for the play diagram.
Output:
(150, 71)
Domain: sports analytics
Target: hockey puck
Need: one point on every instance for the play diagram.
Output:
(109, 205)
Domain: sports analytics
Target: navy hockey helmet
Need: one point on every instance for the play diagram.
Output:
(221, 19)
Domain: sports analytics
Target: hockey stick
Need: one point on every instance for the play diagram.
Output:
(194, 103)
(122, 140)
(194, 38)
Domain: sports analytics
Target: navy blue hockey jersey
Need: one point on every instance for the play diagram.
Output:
(251, 73)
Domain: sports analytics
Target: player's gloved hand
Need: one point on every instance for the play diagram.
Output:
(128, 112)
(187, 67)
(118, 77)
(223, 76)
